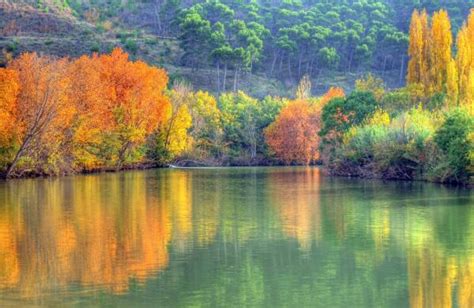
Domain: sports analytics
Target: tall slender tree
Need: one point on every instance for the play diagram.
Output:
(465, 62)
(441, 52)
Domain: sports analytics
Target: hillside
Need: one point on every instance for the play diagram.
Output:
(265, 50)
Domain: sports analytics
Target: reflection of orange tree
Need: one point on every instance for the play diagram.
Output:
(9, 262)
(111, 231)
(296, 197)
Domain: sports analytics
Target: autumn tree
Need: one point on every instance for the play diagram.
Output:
(332, 93)
(465, 63)
(303, 91)
(9, 90)
(89, 124)
(43, 110)
(418, 48)
(432, 67)
(135, 104)
(293, 137)
(206, 131)
(441, 66)
(172, 135)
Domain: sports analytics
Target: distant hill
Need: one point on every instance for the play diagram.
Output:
(152, 30)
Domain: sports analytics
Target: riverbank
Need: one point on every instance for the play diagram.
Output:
(360, 172)
(106, 169)
(368, 174)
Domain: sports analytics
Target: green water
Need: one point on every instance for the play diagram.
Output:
(234, 237)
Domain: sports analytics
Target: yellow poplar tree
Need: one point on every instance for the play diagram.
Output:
(465, 62)
(175, 130)
(415, 51)
(452, 85)
(442, 41)
(419, 49)
(426, 53)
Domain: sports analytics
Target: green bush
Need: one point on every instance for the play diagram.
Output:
(403, 153)
(397, 148)
(454, 138)
(340, 114)
(397, 101)
(95, 47)
(131, 45)
(12, 46)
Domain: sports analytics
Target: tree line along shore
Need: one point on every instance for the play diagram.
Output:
(107, 112)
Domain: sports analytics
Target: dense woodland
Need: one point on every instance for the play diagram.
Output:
(277, 39)
(110, 111)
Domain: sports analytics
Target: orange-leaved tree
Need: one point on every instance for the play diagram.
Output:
(9, 90)
(135, 103)
(43, 108)
(332, 93)
(293, 137)
(91, 119)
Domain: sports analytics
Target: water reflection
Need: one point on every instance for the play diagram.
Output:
(97, 230)
(236, 237)
(298, 205)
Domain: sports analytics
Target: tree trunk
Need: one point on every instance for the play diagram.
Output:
(18, 155)
(225, 78)
(289, 67)
(158, 18)
(351, 57)
(384, 66)
(299, 64)
(402, 69)
(280, 66)
(122, 153)
(236, 70)
(218, 78)
(275, 57)
(311, 67)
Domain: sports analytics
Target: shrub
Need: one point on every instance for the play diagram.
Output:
(373, 84)
(95, 47)
(131, 45)
(402, 154)
(389, 148)
(454, 138)
(397, 101)
(340, 114)
(12, 46)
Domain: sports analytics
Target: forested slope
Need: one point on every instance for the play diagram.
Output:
(263, 47)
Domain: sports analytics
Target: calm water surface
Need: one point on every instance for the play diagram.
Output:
(234, 237)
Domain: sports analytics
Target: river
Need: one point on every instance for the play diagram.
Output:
(234, 237)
